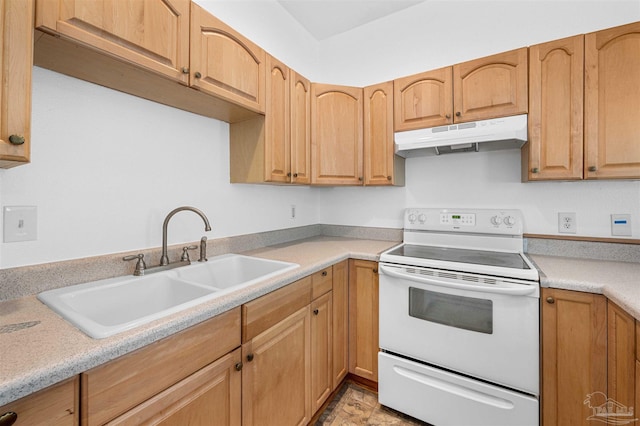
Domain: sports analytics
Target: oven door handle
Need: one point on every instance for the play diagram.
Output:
(520, 290)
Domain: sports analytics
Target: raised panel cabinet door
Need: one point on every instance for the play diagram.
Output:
(321, 350)
(211, 396)
(336, 135)
(151, 33)
(57, 405)
(612, 103)
(363, 319)
(378, 134)
(300, 129)
(621, 359)
(574, 355)
(276, 374)
(224, 63)
(277, 114)
(556, 75)
(423, 100)
(16, 54)
(340, 313)
(494, 86)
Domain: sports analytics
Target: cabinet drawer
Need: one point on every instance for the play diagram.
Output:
(265, 312)
(114, 388)
(321, 282)
(56, 405)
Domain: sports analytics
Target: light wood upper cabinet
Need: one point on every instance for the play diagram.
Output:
(363, 319)
(574, 354)
(225, 63)
(336, 135)
(381, 165)
(554, 149)
(621, 358)
(423, 100)
(612, 103)
(300, 129)
(494, 86)
(16, 56)
(153, 33)
(56, 405)
(277, 116)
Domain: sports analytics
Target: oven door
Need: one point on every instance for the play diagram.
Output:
(451, 320)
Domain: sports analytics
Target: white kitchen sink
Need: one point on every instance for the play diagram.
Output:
(233, 270)
(107, 307)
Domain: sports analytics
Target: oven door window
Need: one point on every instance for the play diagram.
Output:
(467, 313)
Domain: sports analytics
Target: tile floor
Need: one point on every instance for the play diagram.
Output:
(354, 405)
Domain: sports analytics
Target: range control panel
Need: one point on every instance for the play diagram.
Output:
(489, 221)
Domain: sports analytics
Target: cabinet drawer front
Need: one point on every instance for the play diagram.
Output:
(209, 396)
(56, 405)
(111, 389)
(260, 314)
(321, 282)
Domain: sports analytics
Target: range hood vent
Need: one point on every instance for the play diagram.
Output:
(485, 135)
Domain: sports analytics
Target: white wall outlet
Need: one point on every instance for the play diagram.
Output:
(567, 223)
(621, 225)
(293, 211)
(20, 223)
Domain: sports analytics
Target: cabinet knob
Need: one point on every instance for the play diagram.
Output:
(197, 74)
(16, 139)
(375, 270)
(551, 300)
(316, 312)
(289, 174)
(250, 357)
(535, 170)
(8, 418)
(238, 366)
(448, 116)
(324, 273)
(295, 175)
(185, 70)
(592, 168)
(458, 114)
(389, 178)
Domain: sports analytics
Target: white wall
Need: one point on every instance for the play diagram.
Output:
(434, 34)
(107, 167)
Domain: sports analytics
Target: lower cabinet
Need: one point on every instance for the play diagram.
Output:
(589, 360)
(56, 405)
(176, 380)
(363, 319)
(340, 325)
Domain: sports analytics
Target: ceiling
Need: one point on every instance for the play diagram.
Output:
(326, 18)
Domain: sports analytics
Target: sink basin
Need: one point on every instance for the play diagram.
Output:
(107, 307)
(232, 271)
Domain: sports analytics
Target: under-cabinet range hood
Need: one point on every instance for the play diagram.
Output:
(485, 135)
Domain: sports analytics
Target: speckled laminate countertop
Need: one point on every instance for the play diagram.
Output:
(52, 350)
(619, 281)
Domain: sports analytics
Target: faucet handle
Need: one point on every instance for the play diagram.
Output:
(140, 265)
(203, 249)
(185, 253)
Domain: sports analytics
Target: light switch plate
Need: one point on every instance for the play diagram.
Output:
(20, 223)
(621, 225)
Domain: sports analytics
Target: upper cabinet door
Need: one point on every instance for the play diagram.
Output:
(225, 63)
(300, 129)
(423, 100)
(556, 71)
(277, 146)
(152, 33)
(612, 103)
(378, 134)
(336, 135)
(16, 56)
(494, 86)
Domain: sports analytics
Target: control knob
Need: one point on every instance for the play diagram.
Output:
(412, 217)
(422, 218)
(510, 221)
(496, 220)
